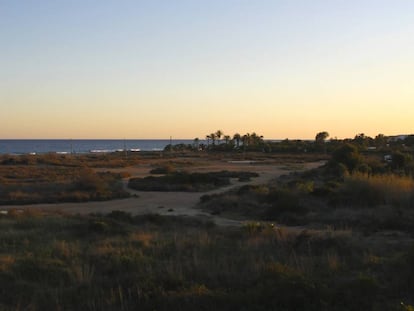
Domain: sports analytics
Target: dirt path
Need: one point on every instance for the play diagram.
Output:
(174, 203)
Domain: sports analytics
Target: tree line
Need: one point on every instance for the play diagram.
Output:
(236, 140)
(323, 143)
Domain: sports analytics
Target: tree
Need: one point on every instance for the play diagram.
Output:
(348, 155)
(320, 140)
(362, 140)
(381, 140)
(219, 133)
(213, 138)
(400, 160)
(196, 143)
(245, 140)
(321, 137)
(255, 139)
(237, 138)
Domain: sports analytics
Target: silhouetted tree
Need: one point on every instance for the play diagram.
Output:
(381, 140)
(320, 140)
(208, 140)
(245, 140)
(196, 143)
(219, 133)
(362, 140)
(255, 139)
(321, 137)
(213, 138)
(237, 138)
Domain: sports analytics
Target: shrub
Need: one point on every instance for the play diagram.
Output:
(165, 169)
(182, 181)
(400, 160)
(347, 155)
(282, 201)
(89, 181)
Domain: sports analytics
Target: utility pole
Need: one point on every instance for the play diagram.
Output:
(125, 150)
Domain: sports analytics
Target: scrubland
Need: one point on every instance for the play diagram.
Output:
(120, 262)
(57, 178)
(338, 237)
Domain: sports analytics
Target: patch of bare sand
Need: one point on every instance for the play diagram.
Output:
(175, 203)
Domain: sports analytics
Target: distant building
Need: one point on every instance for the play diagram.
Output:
(398, 137)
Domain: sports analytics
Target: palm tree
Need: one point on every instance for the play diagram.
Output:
(237, 138)
(196, 143)
(245, 140)
(213, 138)
(227, 139)
(219, 133)
(208, 140)
(255, 139)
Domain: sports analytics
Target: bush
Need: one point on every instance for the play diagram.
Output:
(283, 201)
(165, 169)
(182, 181)
(347, 155)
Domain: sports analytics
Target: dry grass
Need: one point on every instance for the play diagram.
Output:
(58, 262)
(380, 189)
(39, 184)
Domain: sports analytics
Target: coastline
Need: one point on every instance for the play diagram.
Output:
(84, 146)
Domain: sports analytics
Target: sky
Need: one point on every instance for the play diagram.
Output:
(140, 69)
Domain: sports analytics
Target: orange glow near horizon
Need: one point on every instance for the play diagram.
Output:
(290, 72)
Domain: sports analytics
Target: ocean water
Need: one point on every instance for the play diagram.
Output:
(38, 146)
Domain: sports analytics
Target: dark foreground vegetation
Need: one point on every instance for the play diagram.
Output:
(120, 262)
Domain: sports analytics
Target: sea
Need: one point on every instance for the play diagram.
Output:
(81, 146)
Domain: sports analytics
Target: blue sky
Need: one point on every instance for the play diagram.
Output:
(154, 69)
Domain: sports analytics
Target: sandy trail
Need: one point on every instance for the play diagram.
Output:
(174, 203)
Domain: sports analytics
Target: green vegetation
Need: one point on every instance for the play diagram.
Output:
(120, 262)
(182, 181)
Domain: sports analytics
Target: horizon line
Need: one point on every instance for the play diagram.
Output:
(172, 138)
